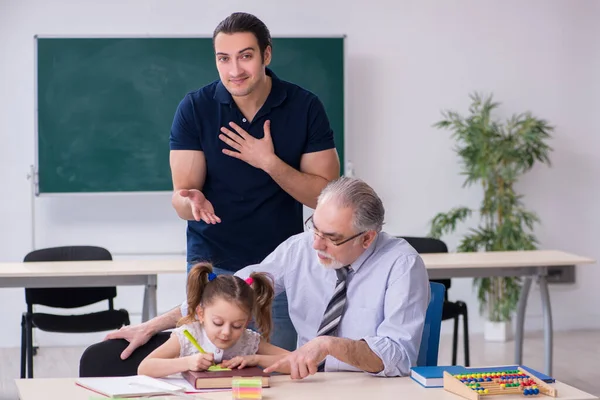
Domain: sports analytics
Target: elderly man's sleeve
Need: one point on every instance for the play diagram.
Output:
(398, 337)
(274, 264)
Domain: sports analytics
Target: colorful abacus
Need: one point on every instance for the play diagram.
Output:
(246, 388)
(473, 386)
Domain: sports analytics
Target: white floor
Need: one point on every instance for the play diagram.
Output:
(576, 359)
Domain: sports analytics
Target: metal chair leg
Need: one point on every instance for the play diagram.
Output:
(23, 345)
(466, 336)
(455, 340)
(29, 328)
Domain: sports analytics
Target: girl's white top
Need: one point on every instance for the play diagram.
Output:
(246, 345)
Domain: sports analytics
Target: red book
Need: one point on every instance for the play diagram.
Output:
(223, 379)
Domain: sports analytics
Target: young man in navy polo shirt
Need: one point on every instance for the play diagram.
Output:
(247, 151)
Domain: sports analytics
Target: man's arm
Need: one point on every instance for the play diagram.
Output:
(398, 337)
(316, 170)
(163, 322)
(305, 360)
(188, 171)
(138, 335)
(356, 353)
(188, 166)
(319, 163)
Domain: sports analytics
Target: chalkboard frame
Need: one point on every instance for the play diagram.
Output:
(35, 166)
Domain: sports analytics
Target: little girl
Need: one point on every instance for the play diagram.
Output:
(219, 311)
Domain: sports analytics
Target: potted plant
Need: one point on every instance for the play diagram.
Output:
(494, 155)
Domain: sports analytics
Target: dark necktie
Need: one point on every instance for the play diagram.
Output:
(335, 308)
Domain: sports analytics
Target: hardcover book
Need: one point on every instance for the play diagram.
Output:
(223, 379)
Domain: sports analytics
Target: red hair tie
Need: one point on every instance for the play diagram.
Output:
(249, 281)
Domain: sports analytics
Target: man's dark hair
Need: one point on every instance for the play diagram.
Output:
(243, 22)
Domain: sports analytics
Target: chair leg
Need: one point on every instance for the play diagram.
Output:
(466, 336)
(23, 345)
(29, 329)
(455, 340)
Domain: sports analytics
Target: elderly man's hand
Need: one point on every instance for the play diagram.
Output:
(136, 335)
(305, 360)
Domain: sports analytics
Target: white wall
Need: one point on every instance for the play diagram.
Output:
(406, 60)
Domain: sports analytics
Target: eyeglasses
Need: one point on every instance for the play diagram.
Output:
(311, 227)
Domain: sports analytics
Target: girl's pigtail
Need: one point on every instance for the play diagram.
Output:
(197, 279)
(262, 284)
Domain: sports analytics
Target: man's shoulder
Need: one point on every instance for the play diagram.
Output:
(396, 245)
(291, 251)
(295, 250)
(299, 241)
(398, 261)
(204, 94)
(398, 253)
(296, 92)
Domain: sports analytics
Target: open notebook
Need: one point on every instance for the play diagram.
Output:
(128, 386)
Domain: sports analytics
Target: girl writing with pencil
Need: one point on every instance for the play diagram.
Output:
(215, 331)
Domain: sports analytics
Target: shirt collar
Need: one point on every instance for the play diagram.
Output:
(355, 266)
(274, 99)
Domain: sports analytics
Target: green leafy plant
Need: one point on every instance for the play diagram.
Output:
(494, 155)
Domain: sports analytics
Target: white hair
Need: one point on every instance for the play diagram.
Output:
(368, 211)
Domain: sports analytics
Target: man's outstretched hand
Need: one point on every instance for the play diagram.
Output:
(202, 209)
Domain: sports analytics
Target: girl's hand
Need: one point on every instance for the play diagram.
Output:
(200, 362)
(240, 362)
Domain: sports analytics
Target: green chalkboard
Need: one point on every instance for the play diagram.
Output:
(105, 105)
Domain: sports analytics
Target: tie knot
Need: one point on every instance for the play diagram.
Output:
(342, 273)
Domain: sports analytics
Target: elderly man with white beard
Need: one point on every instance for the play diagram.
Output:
(356, 295)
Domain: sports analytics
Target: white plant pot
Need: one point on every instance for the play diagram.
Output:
(498, 331)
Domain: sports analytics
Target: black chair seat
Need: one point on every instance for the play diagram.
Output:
(82, 323)
(452, 309)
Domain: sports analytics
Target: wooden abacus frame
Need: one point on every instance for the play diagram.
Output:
(454, 385)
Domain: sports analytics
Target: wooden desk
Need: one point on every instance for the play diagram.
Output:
(93, 273)
(324, 385)
(528, 264)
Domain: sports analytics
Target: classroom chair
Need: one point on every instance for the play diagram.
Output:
(67, 298)
(430, 340)
(452, 309)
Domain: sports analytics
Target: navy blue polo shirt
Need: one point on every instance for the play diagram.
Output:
(256, 213)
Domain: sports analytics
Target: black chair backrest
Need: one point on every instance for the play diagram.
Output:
(69, 297)
(429, 245)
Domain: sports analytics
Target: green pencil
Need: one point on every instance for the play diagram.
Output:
(193, 341)
(213, 367)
